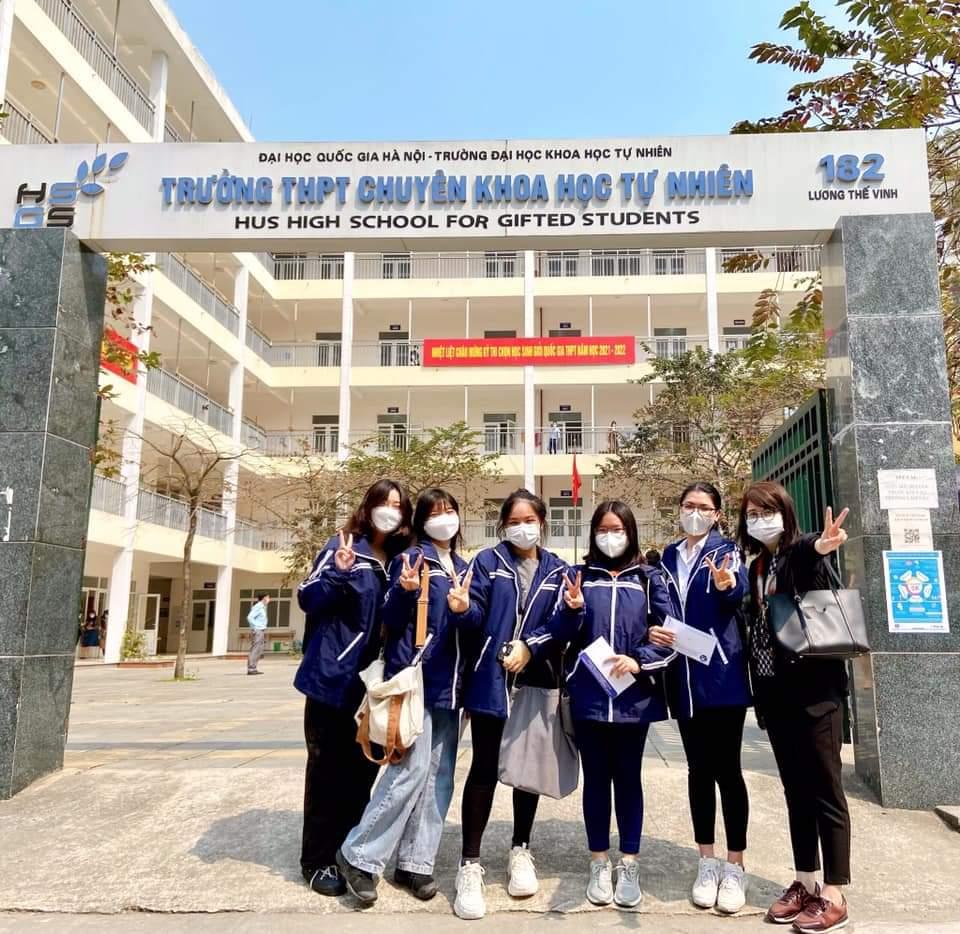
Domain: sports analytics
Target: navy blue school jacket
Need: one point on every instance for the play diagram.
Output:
(692, 686)
(495, 617)
(615, 607)
(442, 658)
(342, 634)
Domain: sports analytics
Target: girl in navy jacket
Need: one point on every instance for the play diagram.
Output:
(342, 599)
(707, 582)
(410, 802)
(614, 597)
(514, 590)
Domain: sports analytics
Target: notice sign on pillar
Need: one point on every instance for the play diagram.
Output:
(916, 599)
(908, 489)
(910, 530)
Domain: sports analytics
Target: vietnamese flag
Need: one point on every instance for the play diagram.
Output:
(575, 481)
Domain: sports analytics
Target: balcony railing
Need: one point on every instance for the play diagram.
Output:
(108, 495)
(309, 354)
(493, 265)
(189, 282)
(19, 126)
(619, 263)
(778, 258)
(86, 41)
(261, 538)
(170, 135)
(285, 266)
(159, 509)
(258, 342)
(189, 398)
(388, 353)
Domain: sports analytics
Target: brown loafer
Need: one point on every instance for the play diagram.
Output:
(787, 908)
(820, 915)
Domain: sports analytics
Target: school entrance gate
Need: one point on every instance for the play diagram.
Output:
(863, 196)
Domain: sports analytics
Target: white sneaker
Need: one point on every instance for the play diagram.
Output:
(470, 904)
(628, 893)
(521, 875)
(708, 882)
(732, 895)
(600, 886)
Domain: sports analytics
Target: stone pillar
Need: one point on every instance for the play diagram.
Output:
(51, 323)
(529, 397)
(889, 408)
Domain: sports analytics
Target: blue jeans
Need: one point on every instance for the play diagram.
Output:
(410, 802)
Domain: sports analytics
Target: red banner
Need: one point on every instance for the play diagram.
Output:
(529, 351)
(118, 355)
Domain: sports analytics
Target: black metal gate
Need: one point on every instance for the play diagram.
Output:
(797, 455)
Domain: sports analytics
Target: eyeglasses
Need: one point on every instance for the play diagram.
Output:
(688, 509)
(761, 513)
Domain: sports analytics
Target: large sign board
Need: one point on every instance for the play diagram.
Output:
(736, 190)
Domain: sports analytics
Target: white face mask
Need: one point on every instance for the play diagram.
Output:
(765, 531)
(442, 528)
(523, 536)
(386, 519)
(612, 544)
(695, 523)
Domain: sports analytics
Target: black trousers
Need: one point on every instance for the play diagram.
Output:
(481, 785)
(806, 743)
(337, 786)
(712, 739)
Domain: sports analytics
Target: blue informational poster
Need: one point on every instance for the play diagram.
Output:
(916, 595)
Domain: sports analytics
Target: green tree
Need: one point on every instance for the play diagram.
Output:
(451, 457)
(893, 64)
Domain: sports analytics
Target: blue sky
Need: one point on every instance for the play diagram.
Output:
(478, 69)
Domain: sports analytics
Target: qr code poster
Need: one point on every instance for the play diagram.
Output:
(916, 595)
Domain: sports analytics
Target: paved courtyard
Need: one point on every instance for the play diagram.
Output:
(186, 798)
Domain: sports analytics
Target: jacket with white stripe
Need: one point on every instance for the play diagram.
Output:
(442, 658)
(342, 634)
(616, 608)
(692, 686)
(495, 616)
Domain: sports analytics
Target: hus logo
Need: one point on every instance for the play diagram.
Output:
(53, 205)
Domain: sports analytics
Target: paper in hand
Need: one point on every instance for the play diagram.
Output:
(598, 659)
(691, 642)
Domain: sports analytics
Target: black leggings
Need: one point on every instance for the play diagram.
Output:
(712, 739)
(481, 785)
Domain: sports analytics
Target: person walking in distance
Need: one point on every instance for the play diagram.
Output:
(257, 621)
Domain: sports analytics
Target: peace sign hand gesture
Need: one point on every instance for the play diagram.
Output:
(573, 591)
(410, 574)
(832, 536)
(458, 597)
(345, 555)
(723, 576)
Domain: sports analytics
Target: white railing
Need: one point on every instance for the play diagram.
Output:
(86, 41)
(619, 263)
(19, 126)
(388, 353)
(158, 509)
(669, 345)
(324, 441)
(489, 265)
(287, 266)
(308, 353)
(258, 342)
(107, 495)
(251, 434)
(170, 135)
(189, 282)
(261, 538)
(189, 398)
(776, 258)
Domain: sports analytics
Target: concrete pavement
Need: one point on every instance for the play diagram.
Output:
(185, 798)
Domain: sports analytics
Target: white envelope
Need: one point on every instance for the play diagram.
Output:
(691, 642)
(596, 657)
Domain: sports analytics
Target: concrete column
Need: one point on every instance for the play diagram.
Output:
(346, 354)
(529, 406)
(223, 611)
(121, 573)
(713, 316)
(6, 40)
(159, 70)
(890, 409)
(51, 324)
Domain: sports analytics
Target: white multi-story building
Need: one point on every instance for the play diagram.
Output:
(277, 351)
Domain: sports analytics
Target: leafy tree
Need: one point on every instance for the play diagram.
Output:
(894, 64)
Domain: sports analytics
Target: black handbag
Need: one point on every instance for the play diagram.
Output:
(820, 623)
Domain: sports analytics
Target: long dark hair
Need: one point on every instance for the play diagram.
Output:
(625, 514)
(701, 486)
(768, 495)
(522, 496)
(361, 524)
(426, 502)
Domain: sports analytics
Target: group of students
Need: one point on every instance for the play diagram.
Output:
(519, 615)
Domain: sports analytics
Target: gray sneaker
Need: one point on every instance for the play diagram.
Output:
(600, 886)
(628, 894)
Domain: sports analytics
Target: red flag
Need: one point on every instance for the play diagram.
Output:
(575, 481)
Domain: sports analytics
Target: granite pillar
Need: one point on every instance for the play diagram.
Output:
(889, 408)
(51, 322)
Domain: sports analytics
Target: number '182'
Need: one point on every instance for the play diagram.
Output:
(850, 168)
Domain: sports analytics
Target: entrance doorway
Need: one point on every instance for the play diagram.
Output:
(201, 623)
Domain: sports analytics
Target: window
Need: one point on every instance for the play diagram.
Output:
(670, 342)
(278, 610)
